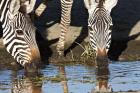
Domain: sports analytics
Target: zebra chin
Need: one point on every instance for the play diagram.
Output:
(32, 67)
(102, 58)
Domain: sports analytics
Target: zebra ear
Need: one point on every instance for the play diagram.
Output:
(27, 6)
(109, 4)
(14, 6)
(88, 3)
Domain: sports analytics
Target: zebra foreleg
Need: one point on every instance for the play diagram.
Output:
(60, 47)
(61, 42)
(66, 6)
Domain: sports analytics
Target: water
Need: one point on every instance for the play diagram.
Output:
(120, 76)
(125, 76)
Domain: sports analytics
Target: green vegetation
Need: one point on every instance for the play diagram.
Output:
(88, 53)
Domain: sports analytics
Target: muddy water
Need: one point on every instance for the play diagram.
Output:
(120, 76)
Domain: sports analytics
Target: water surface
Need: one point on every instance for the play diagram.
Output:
(123, 76)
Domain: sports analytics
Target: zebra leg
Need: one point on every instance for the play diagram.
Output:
(66, 6)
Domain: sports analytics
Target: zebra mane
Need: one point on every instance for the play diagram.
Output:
(101, 2)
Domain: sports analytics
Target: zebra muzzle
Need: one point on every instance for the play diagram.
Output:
(35, 54)
(101, 58)
(34, 64)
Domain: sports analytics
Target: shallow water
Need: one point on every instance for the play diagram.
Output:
(124, 76)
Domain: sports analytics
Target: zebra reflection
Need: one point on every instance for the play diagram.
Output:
(26, 84)
(64, 79)
(102, 77)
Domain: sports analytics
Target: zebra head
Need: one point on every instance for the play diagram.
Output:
(19, 38)
(99, 24)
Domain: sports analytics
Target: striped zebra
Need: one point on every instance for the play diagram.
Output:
(19, 32)
(99, 24)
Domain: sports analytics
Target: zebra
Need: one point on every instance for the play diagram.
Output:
(19, 33)
(99, 25)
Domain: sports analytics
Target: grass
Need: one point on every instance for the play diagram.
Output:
(88, 53)
(72, 56)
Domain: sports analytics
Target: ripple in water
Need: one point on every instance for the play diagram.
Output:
(124, 76)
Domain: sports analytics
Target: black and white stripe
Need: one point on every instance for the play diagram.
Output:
(66, 6)
(18, 33)
(99, 24)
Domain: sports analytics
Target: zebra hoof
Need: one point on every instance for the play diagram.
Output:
(61, 57)
(61, 53)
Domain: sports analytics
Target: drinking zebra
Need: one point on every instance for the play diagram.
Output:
(19, 32)
(99, 24)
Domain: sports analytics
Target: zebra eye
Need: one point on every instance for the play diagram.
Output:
(19, 32)
(90, 28)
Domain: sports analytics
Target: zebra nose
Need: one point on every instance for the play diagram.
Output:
(101, 52)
